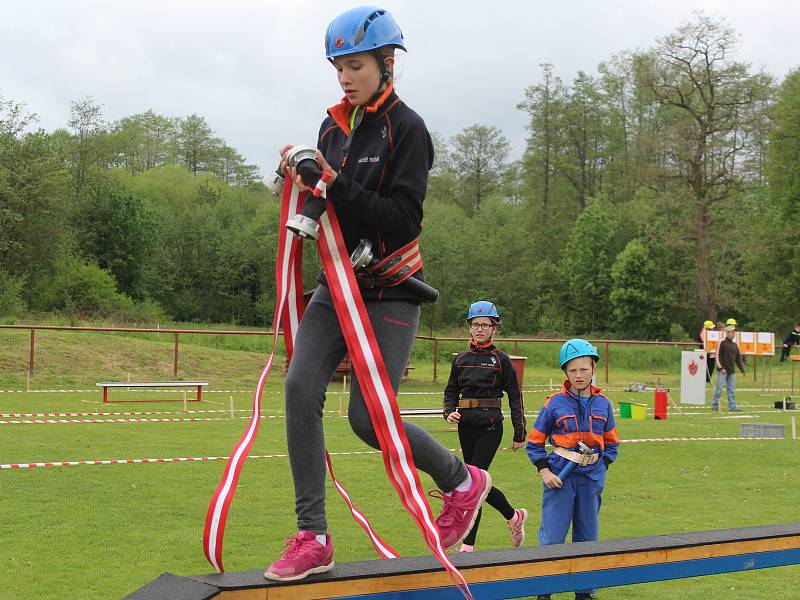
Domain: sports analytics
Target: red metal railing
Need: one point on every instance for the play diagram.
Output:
(518, 341)
(177, 332)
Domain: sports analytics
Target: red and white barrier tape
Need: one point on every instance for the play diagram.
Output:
(126, 461)
(137, 461)
(114, 414)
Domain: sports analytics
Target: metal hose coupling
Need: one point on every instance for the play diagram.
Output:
(304, 224)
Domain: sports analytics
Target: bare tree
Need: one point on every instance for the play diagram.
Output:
(708, 101)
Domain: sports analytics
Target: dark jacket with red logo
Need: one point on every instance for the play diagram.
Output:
(382, 180)
(484, 373)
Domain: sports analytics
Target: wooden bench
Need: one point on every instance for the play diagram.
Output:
(152, 384)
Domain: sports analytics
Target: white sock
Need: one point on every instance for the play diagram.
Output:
(322, 539)
(464, 485)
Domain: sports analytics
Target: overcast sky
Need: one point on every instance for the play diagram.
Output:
(255, 70)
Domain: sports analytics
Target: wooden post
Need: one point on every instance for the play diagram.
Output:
(435, 357)
(794, 427)
(185, 407)
(30, 356)
(175, 357)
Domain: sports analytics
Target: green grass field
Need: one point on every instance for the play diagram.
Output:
(86, 532)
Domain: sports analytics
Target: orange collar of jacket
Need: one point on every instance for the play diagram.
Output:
(592, 389)
(340, 113)
(483, 346)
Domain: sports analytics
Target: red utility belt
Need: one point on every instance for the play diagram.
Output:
(393, 269)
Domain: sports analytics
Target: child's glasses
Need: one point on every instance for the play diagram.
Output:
(480, 325)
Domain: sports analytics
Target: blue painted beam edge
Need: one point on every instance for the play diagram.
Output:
(531, 586)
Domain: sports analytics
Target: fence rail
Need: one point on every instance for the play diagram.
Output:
(606, 344)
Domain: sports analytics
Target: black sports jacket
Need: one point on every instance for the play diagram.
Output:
(484, 373)
(382, 180)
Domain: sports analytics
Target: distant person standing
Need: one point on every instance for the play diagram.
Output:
(791, 339)
(711, 357)
(728, 358)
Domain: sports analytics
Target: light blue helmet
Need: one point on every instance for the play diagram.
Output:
(575, 348)
(482, 308)
(362, 29)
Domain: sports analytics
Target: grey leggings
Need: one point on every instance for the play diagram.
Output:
(319, 348)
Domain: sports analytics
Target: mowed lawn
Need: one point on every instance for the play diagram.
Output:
(89, 532)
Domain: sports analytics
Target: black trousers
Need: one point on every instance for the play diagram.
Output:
(479, 445)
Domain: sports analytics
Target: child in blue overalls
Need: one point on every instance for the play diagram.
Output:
(579, 412)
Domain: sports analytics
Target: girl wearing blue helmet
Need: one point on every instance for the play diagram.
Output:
(377, 152)
(579, 423)
(472, 398)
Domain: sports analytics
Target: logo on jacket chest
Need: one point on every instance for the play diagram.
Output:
(369, 159)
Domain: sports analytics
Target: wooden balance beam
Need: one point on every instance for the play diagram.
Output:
(511, 573)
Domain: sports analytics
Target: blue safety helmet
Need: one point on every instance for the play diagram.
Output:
(362, 29)
(575, 348)
(482, 308)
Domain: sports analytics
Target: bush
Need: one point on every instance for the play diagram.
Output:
(11, 302)
(81, 290)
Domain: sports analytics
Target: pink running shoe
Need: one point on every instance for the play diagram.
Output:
(461, 508)
(517, 527)
(467, 548)
(302, 556)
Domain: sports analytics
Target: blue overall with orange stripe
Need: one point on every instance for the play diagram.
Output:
(565, 419)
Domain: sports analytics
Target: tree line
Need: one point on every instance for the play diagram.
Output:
(652, 195)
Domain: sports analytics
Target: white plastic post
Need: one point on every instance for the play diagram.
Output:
(185, 407)
(231, 397)
(794, 427)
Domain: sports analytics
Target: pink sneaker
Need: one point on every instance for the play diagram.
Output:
(302, 556)
(467, 548)
(460, 508)
(517, 527)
